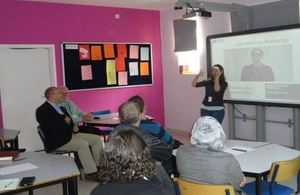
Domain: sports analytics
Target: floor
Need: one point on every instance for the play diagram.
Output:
(85, 187)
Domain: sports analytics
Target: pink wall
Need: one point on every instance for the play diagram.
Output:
(45, 23)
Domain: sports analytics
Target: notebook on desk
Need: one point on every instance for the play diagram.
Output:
(236, 150)
(9, 155)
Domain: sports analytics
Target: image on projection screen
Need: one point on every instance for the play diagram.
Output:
(260, 66)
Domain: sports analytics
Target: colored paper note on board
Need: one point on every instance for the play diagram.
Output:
(133, 69)
(145, 53)
(84, 52)
(123, 78)
(120, 63)
(86, 72)
(109, 51)
(111, 72)
(134, 52)
(144, 66)
(122, 52)
(96, 52)
(183, 69)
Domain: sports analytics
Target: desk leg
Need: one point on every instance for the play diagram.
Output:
(72, 186)
(16, 144)
(258, 184)
(30, 192)
(65, 188)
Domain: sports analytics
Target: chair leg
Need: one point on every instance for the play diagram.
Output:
(298, 183)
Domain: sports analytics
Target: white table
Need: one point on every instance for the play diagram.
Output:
(52, 169)
(257, 163)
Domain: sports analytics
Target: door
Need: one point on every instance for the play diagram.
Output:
(25, 72)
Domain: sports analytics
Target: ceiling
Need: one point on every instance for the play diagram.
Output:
(147, 4)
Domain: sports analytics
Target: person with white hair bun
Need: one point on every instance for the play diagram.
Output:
(204, 160)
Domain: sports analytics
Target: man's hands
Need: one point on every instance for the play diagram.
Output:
(87, 117)
(68, 120)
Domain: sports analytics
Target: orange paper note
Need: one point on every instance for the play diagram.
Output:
(96, 52)
(144, 68)
(122, 52)
(109, 51)
(120, 63)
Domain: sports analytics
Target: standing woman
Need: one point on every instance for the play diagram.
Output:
(215, 87)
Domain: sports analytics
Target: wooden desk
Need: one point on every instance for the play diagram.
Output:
(257, 163)
(108, 120)
(10, 137)
(52, 169)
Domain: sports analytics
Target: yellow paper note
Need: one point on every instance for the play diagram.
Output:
(111, 72)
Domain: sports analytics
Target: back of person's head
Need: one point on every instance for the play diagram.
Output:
(49, 92)
(208, 133)
(126, 157)
(129, 113)
(139, 101)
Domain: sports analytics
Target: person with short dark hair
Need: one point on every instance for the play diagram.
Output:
(128, 169)
(154, 128)
(257, 71)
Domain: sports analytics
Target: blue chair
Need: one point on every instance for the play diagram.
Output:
(104, 132)
(280, 171)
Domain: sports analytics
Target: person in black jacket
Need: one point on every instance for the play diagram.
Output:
(59, 133)
(127, 168)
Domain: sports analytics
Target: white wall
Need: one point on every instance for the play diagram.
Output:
(182, 102)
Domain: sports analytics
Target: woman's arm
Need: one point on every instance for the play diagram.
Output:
(195, 80)
(217, 86)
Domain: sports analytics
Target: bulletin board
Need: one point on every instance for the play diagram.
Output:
(106, 65)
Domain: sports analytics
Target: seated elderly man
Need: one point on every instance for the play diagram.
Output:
(77, 115)
(205, 161)
(60, 133)
(130, 117)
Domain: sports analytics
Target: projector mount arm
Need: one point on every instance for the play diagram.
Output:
(211, 6)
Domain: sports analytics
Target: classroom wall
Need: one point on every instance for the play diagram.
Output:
(182, 102)
(46, 23)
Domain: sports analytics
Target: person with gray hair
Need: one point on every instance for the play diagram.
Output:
(205, 161)
(130, 118)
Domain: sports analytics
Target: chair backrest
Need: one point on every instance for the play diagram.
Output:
(286, 170)
(101, 112)
(1, 145)
(43, 137)
(191, 188)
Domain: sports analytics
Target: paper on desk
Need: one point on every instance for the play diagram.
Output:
(6, 158)
(236, 150)
(8, 184)
(17, 168)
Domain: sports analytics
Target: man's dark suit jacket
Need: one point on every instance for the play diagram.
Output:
(57, 131)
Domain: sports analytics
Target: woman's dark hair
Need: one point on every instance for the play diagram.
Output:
(222, 77)
(126, 157)
(139, 101)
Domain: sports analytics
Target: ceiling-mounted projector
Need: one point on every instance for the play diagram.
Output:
(199, 13)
